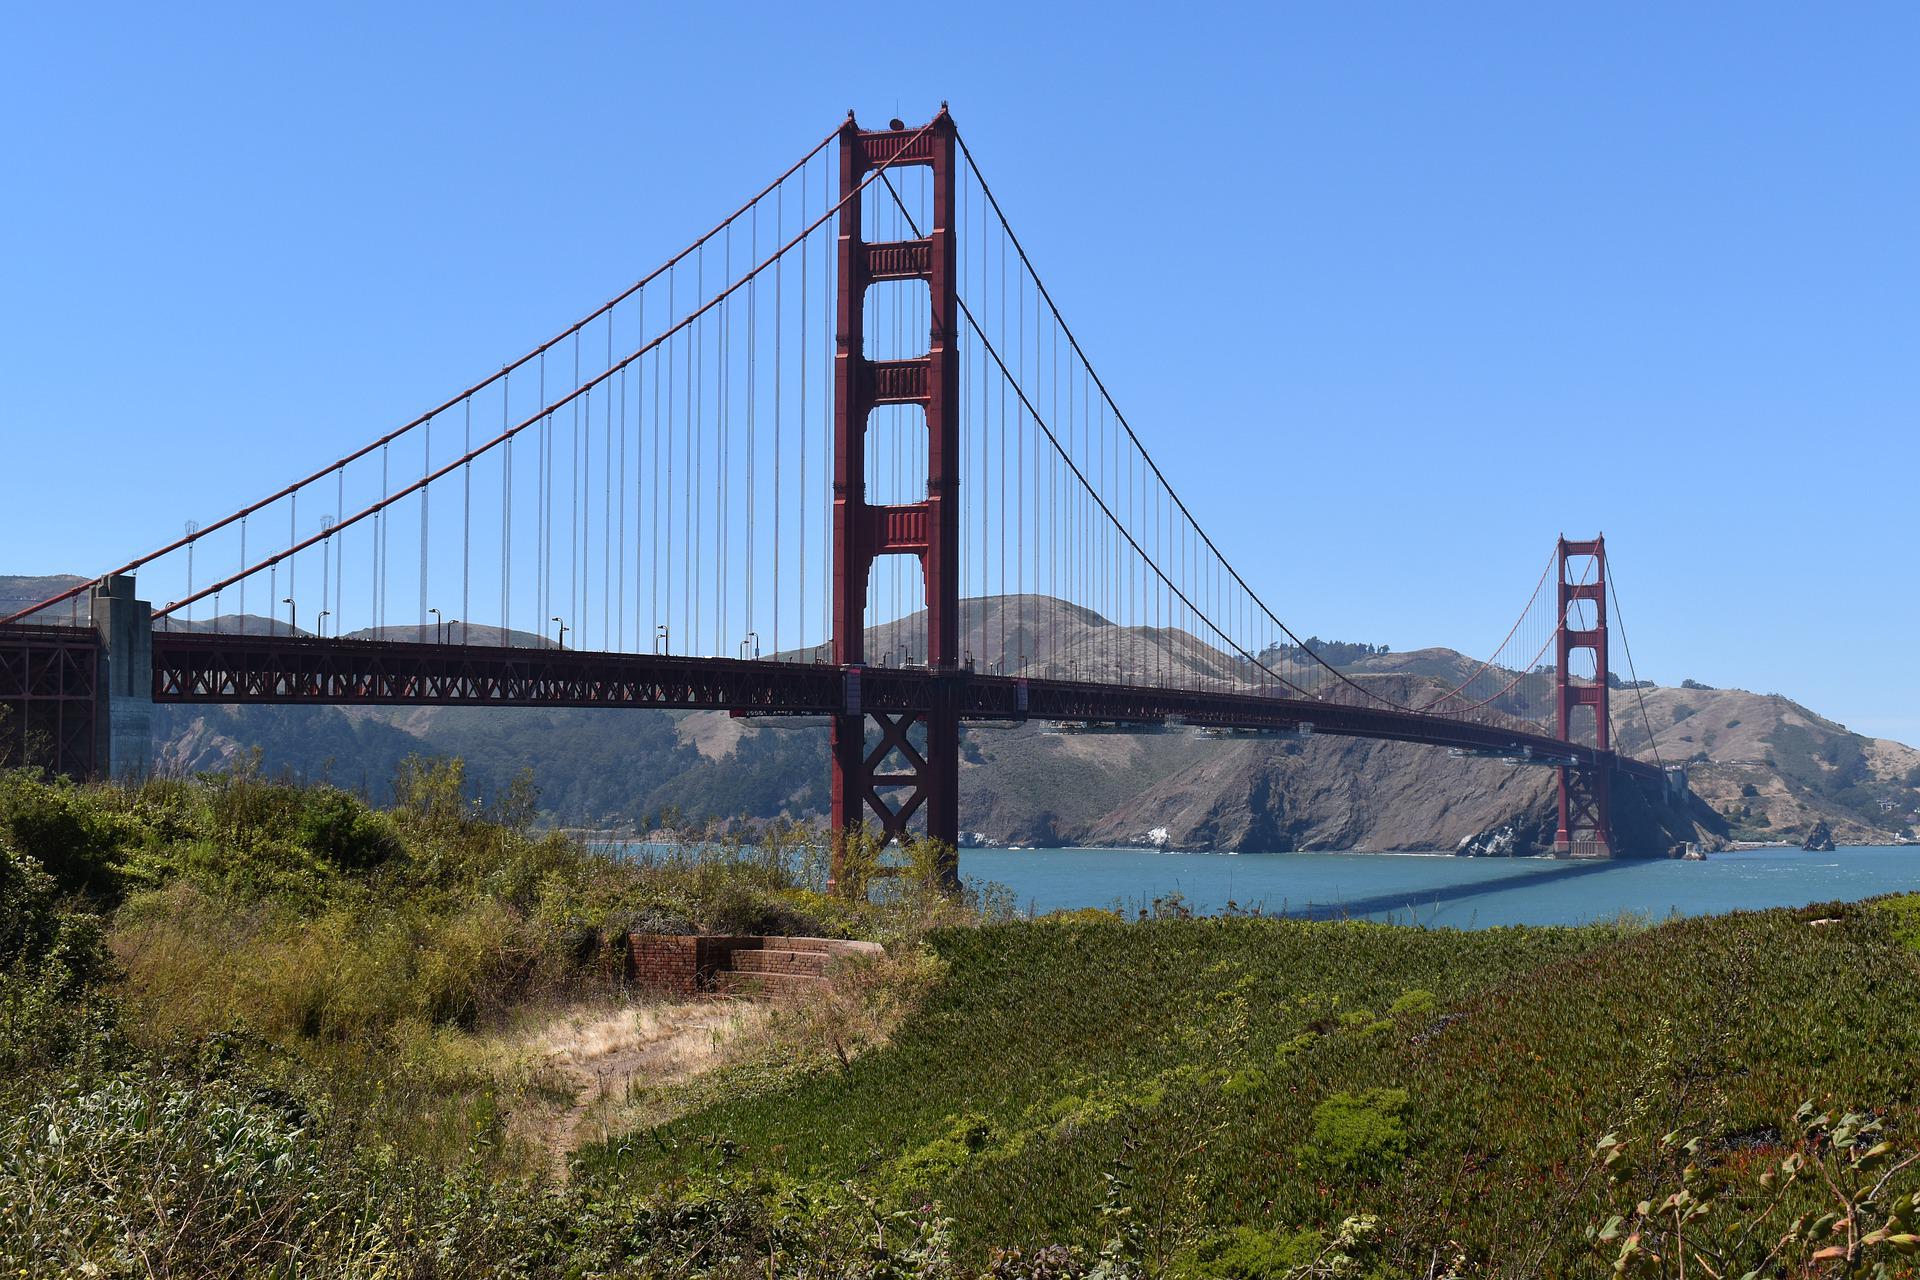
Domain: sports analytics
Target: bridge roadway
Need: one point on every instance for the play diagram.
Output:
(190, 667)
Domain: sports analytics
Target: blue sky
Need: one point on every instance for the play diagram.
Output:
(1414, 287)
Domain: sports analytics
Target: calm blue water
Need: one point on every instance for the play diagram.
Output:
(1461, 893)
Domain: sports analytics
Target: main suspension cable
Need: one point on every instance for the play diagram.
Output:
(682, 325)
(428, 416)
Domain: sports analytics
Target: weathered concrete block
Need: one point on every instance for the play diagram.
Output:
(124, 712)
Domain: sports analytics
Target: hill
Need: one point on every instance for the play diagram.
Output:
(17, 592)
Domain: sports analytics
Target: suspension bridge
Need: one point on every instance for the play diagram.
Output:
(842, 456)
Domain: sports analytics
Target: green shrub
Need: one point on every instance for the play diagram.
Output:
(60, 826)
(1358, 1135)
(1903, 914)
(340, 828)
(51, 957)
(1246, 1253)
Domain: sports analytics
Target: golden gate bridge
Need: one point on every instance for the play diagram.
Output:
(842, 456)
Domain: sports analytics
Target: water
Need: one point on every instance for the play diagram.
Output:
(1461, 893)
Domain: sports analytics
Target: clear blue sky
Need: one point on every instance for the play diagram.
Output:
(1416, 287)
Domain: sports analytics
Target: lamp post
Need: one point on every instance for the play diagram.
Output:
(564, 628)
(320, 623)
(439, 627)
(662, 638)
(293, 627)
(750, 647)
(193, 530)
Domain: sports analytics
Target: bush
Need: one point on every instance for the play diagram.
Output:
(50, 958)
(1358, 1135)
(1248, 1254)
(1902, 913)
(57, 825)
(340, 828)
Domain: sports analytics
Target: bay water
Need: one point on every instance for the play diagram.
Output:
(1440, 890)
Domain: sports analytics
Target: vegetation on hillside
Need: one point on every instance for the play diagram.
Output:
(1258, 1087)
(259, 1029)
(248, 1027)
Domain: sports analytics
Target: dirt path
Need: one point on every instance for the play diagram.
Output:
(588, 1061)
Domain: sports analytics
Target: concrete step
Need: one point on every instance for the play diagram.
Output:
(781, 988)
(831, 946)
(782, 960)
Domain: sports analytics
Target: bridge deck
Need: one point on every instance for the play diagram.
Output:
(209, 668)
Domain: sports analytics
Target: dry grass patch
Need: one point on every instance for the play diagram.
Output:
(597, 1068)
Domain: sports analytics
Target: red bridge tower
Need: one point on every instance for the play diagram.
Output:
(1586, 815)
(893, 779)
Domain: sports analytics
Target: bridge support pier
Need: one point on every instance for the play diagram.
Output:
(1586, 808)
(1586, 817)
(887, 775)
(123, 709)
(897, 778)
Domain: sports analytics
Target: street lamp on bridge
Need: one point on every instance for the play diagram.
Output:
(564, 628)
(293, 627)
(439, 627)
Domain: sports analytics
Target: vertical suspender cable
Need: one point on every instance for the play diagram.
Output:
(339, 549)
(575, 481)
(723, 407)
(609, 610)
(426, 469)
(779, 383)
(806, 408)
(1000, 481)
(544, 558)
(620, 540)
(649, 533)
(827, 288)
(466, 524)
(696, 410)
(668, 489)
(1020, 490)
(386, 489)
(752, 355)
(506, 515)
